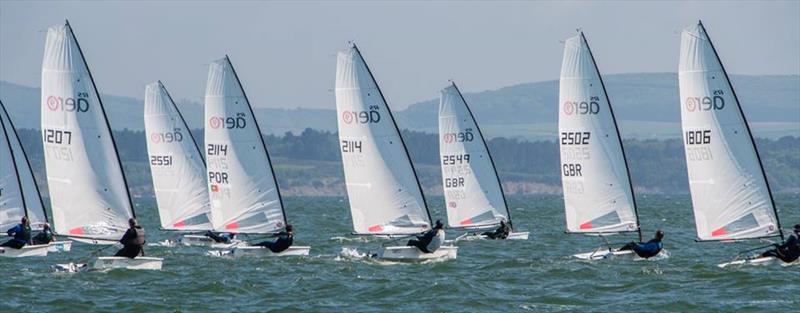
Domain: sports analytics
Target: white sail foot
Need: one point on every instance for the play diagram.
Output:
(26, 251)
(413, 254)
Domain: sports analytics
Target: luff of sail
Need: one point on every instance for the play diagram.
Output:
(598, 197)
(244, 193)
(176, 164)
(88, 193)
(382, 187)
(472, 191)
(730, 194)
(19, 194)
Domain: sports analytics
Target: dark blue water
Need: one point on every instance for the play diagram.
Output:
(535, 275)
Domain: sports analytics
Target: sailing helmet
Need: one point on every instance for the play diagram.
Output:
(659, 234)
(797, 229)
(289, 227)
(439, 224)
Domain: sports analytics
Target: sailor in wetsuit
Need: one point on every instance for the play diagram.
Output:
(430, 241)
(789, 251)
(133, 241)
(21, 234)
(45, 236)
(221, 237)
(284, 241)
(648, 249)
(499, 233)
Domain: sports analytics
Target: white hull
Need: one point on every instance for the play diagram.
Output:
(263, 251)
(406, 253)
(478, 236)
(601, 254)
(60, 246)
(757, 261)
(26, 251)
(196, 240)
(139, 263)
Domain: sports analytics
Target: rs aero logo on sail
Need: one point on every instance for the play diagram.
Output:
(582, 107)
(167, 137)
(230, 122)
(69, 104)
(715, 102)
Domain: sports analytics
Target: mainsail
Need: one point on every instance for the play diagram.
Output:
(384, 193)
(19, 194)
(730, 194)
(88, 192)
(244, 193)
(176, 164)
(598, 196)
(473, 195)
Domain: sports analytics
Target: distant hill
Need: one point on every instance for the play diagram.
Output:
(646, 106)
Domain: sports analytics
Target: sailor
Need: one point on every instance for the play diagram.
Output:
(45, 236)
(284, 241)
(221, 237)
(648, 249)
(789, 251)
(21, 234)
(431, 240)
(132, 241)
(499, 233)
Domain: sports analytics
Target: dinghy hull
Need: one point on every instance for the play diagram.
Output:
(26, 251)
(757, 262)
(195, 240)
(114, 262)
(263, 251)
(60, 246)
(601, 254)
(412, 254)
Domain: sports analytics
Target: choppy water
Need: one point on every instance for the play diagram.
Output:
(535, 275)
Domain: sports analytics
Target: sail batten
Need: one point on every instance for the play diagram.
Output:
(598, 195)
(473, 194)
(383, 190)
(176, 164)
(731, 197)
(241, 181)
(88, 192)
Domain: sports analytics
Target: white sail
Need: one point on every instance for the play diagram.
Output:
(385, 196)
(88, 193)
(176, 164)
(598, 197)
(730, 195)
(472, 192)
(18, 189)
(244, 194)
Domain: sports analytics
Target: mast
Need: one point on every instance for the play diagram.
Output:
(14, 162)
(619, 137)
(747, 127)
(488, 153)
(27, 161)
(105, 117)
(402, 142)
(183, 121)
(261, 138)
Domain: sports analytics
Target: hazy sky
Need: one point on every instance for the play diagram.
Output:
(284, 52)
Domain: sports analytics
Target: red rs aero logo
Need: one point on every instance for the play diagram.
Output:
(79, 104)
(347, 117)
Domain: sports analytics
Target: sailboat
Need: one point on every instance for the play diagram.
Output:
(245, 198)
(88, 192)
(598, 194)
(177, 167)
(731, 197)
(473, 194)
(384, 193)
(19, 195)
